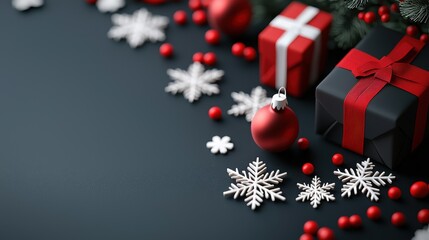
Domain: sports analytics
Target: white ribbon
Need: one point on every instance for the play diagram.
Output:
(294, 28)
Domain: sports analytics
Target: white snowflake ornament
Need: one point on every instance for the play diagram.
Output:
(422, 234)
(138, 28)
(194, 82)
(315, 192)
(363, 178)
(110, 5)
(220, 145)
(22, 5)
(256, 184)
(249, 104)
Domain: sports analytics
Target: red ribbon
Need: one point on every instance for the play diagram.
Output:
(373, 74)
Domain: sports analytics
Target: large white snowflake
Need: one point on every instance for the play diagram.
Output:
(255, 185)
(249, 104)
(220, 145)
(422, 234)
(315, 192)
(194, 82)
(363, 178)
(138, 28)
(110, 5)
(23, 5)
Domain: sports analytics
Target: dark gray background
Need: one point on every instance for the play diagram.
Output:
(92, 148)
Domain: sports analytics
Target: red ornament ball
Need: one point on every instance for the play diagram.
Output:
(369, 17)
(275, 127)
(249, 53)
(206, 3)
(306, 236)
(303, 143)
(198, 57)
(419, 189)
(355, 221)
(325, 233)
(307, 168)
(310, 227)
(385, 17)
(210, 58)
(424, 37)
(373, 213)
(383, 10)
(230, 17)
(423, 216)
(92, 2)
(199, 17)
(212, 37)
(361, 15)
(237, 49)
(412, 30)
(215, 113)
(394, 7)
(180, 17)
(394, 193)
(166, 50)
(343, 222)
(338, 159)
(398, 219)
(194, 5)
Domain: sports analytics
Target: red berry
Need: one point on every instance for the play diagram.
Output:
(194, 5)
(199, 17)
(307, 168)
(303, 143)
(423, 216)
(237, 49)
(398, 219)
(419, 189)
(394, 193)
(215, 113)
(91, 1)
(373, 213)
(343, 222)
(361, 15)
(383, 10)
(338, 159)
(198, 57)
(180, 17)
(212, 36)
(325, 233)
(249, 53)
(355, 221)
(311, 227)
(306, 236)
(394, 7)
(210, 58)
(412, 30)
(369, 17)
(166, 50)
(424, 37)
(385, 17)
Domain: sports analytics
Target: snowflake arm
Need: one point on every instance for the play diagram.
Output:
(315, 192)
(22, 5)
(422, 234)
(110, 5)
(247, 104)
(220, 145)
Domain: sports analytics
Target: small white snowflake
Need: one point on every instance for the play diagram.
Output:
(138, 28)
(220, 145)
(110, 5)
(23, 5)
(315, 193)
(194, 82)
(256, 184)
(422, 234)
(249, 104)
(363, 179)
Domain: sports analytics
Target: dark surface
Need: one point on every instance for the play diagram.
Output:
(92, 147)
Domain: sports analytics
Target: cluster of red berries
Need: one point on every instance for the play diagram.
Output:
(199, 16)
(208, 58)
(311, 229)
(354, 221)
(240, 50)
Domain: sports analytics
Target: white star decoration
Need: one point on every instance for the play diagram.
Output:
(138, 28)
(220, 145)
(23, 5)
(422, 234)
(315, 193)
(249, 104)
(256, 184)
(110, 5)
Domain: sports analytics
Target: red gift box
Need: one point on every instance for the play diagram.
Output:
(293, 48)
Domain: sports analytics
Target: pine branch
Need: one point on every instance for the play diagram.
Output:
(415, 10)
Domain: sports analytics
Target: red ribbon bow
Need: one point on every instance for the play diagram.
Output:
(374, 74)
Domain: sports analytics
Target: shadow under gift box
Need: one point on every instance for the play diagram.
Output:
(390, 117)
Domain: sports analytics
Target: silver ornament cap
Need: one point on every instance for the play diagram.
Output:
(279, 100)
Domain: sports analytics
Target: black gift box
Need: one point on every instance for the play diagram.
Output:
(390, 116)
